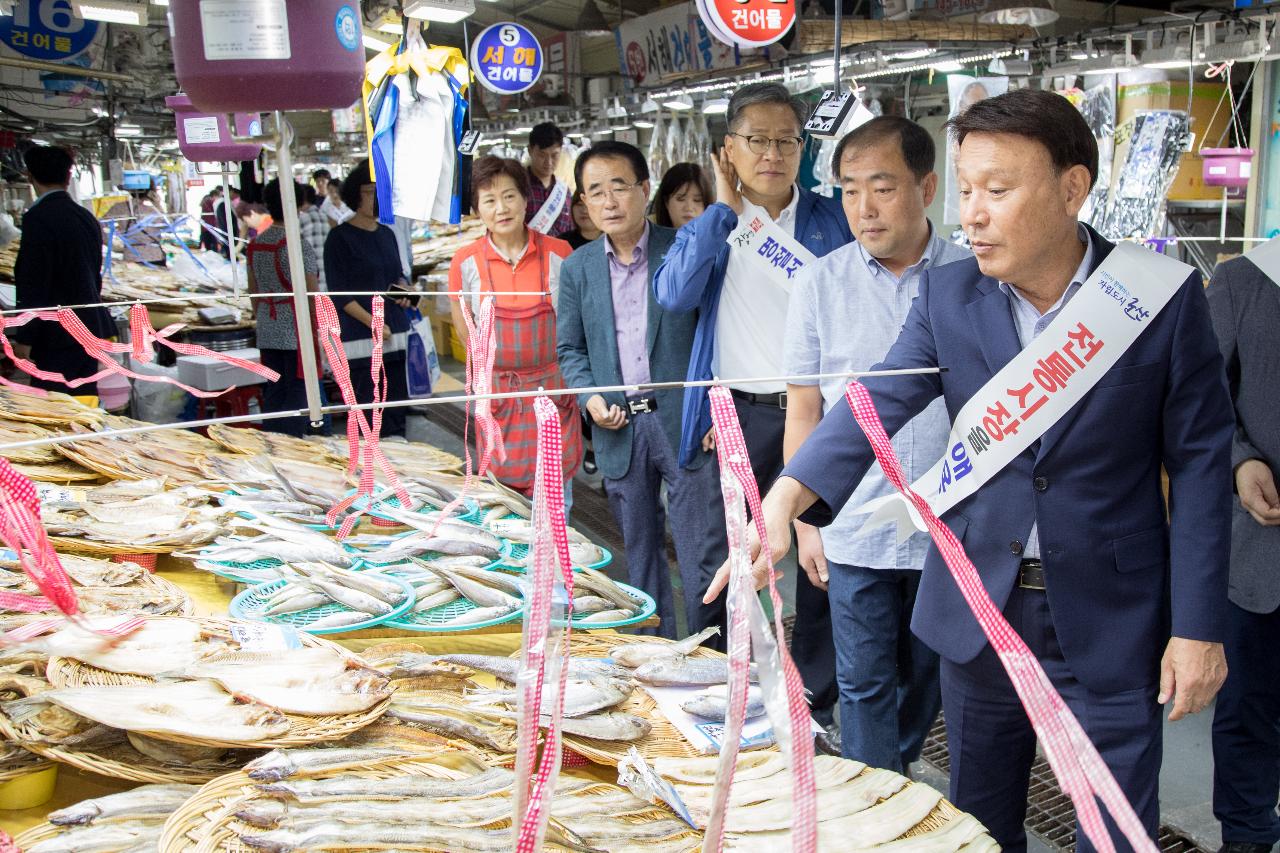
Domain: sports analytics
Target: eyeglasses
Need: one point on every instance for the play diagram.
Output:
(614, 193)
(759, 145)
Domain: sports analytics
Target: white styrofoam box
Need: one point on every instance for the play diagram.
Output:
(210, 374)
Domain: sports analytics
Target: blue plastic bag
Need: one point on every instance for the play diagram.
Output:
(422, 364)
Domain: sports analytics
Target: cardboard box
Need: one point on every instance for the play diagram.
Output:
(211, 374)
(1134, 99)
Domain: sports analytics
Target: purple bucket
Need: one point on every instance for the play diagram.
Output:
(266, 55)
(1227, 167)
(205, 138)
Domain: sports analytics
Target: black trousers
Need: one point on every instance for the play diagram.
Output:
(812, 646)
(71, 362)
(287, 392)
(393, 367)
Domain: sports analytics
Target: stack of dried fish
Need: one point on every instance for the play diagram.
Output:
(54, 409)
(661, 663)
(174, 454)
(442, 581)
(409, 458)
(324, 800)
(364, 596)
(135, 515)
(255, 442)
(41, 463)
(433, 536)
(103, 588)
(129, 821)
(859, 808)
(318, 484)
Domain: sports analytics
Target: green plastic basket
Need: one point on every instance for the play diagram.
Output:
(250, 603)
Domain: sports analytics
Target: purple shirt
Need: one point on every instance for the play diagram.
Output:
(630, 286)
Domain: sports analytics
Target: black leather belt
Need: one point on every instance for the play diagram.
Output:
(1031, 574)
(642, 405)
(778, 400)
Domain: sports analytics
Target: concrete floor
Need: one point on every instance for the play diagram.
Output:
(1187, 775)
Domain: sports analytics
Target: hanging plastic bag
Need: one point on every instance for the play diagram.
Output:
(422, 364)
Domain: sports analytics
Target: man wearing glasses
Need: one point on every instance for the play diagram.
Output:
(742, 314)
(611, 332)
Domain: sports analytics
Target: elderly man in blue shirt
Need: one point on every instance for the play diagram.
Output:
(844, 316)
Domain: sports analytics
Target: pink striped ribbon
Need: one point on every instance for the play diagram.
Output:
(731, 449)
(365, 456)
(143, 336)
(550, 546)
(1080, 770)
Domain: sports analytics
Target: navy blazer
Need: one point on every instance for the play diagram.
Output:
(693, 276)
(1119, 578)
(587, 346)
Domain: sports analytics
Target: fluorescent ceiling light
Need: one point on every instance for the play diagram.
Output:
(1116, 63)
(128, 130)
(522, 129)
(111, 11)
(716, 106)
(643, 123)
(946, 66)
(649, 105)
(679, 102)
(911, 50)
(1010, 67)
(443, 11)
(160, 3)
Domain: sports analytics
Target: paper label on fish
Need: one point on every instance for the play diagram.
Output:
(770, 251)
(707, 736)
(265, 638)
(49, 494)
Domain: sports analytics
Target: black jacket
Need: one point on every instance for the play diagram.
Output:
(59, 263)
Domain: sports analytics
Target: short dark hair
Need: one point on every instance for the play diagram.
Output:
(356, 178)
(677, 177)
(271, 197)
(764, 93)
(309, 193)
(321, 173)
(917, 147)
(48, 164)
(1046, 117)
(546, 135)
(488, 169)
(610, 148)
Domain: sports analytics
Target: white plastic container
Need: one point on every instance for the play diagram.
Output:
(210, 374)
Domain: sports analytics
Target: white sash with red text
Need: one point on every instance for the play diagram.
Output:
(1043, 382)
(550, 210)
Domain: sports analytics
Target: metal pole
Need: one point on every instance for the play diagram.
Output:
(836, 51)
(231, 239)
(293, 238)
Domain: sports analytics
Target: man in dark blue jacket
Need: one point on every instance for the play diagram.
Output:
(1124, 610)
(59, 263)
(611, 331)
(742, 317)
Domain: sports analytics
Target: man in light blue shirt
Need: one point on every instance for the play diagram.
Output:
(844, 316)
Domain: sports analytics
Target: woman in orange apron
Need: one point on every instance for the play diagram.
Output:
(521, 268)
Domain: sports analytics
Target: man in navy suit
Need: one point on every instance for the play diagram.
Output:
(1124, 611)
(742, 317)
(611, 331)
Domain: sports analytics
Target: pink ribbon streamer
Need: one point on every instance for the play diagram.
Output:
(1073, 757)
(367, 455)
(143, 334)
(731, 449)
(550, 545)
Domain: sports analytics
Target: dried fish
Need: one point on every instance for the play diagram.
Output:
(598, 583)
(338, 620)
(702, 771)
(285, 763)
(481, 614)
(857, 830)
(107, 838)
(605, 617)
(713, 703)
(601, 829)
(481, 594)
(173, 753)
(841, 801)
(142, 802)
(309, 681)
(349, 786)
(378, 836)
(436, 599)
(581, 697)
(160, 645)
(637, 654)
(686, 672)
(196, 709)
(417, 810)
(506, 668)
(962, 832)
(453, 726)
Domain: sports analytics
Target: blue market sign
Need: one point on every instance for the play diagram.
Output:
(506, 58)
(46, 29)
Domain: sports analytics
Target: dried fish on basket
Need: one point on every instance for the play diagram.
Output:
(54, 409)
(128, 821)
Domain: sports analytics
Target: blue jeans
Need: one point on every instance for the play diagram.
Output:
(888, 679)
(1246, 730)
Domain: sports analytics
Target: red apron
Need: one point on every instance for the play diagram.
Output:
(525, 360)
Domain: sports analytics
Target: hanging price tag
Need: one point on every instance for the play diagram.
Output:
(470, 140)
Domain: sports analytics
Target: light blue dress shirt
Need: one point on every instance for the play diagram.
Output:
(844, 315)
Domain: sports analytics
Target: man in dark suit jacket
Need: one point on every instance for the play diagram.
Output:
(59, 263)
(1245, 304)
(613, 332)
(1124, 611)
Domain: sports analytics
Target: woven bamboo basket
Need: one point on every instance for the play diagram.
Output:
(206, 823)
(32, 764)
(104, 549)
(120, 761)
(158, 587)
(41, 832)
(303, 730)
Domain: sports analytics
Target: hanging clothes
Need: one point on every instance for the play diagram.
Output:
(415, 98)
(525, 344)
